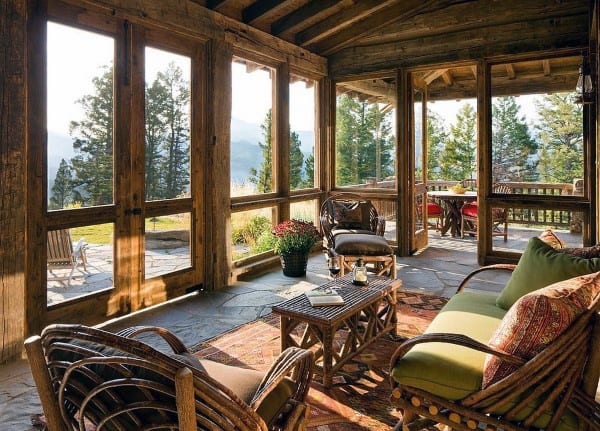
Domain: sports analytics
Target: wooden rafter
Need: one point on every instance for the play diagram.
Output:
(312, 11)
(378, 88)
(329, 26)
(396, 12)
(433, 75)
(215, 4)
(447, 77)
(260, 8)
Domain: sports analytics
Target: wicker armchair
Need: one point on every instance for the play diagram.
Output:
(559, 381)
(113, 381)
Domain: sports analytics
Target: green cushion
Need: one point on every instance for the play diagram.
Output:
(539, 266)
(447, 370)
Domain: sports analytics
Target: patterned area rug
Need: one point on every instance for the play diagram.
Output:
(359, 398)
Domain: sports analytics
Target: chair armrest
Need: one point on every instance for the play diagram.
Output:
(293, 361)
(326, 230)
(172, 340)
(586, 408)
(457, 339)
(497, 267)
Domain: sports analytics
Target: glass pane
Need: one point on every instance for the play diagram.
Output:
(537, 126)
(305, 210)
(167, 244)
(302, 133)
(251, 147)
(80, 118)
(251, 232)
(524, 223)
(365, 125)
(418, 135)
(167, 167)
(79, 261)
(387, 209)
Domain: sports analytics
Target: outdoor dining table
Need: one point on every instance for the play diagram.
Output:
(452, 203)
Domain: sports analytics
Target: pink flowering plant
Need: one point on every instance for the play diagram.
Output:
(295, 236)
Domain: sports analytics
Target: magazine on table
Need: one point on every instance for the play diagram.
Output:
(324, 296)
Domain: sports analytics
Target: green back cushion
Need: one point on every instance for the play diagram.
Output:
(539, 266)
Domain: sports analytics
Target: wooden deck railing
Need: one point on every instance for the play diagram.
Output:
(521, 216)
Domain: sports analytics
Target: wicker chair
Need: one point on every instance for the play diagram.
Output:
(468, 216)
(560, 379)
(352, 229)
(113, 381)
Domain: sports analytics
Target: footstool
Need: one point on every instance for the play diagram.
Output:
(372, 249)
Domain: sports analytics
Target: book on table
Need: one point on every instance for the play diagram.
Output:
(322, 297)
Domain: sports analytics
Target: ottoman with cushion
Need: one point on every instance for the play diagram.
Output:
(372, 249)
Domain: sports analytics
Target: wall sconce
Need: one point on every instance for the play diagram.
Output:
(584, 87)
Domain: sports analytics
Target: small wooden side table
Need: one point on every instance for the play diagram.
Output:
(368, 313)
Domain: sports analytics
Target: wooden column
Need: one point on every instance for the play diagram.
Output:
(280, 138)
(327, 120)
(403, 142)
(484, 159)
(12, 174)
(217, 228)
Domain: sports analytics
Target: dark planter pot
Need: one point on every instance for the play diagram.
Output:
(294, 264)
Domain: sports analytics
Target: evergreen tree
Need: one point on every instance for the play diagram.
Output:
(176, 145)
(93, 161)
(62, 187)
(561, 139)
(512, 146)
(364, 143)
(458, 160)
(264, 178)
(436, 140)
(296, 161)
(309, 171)
(156, 133)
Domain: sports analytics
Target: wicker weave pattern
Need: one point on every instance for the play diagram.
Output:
(119, 383)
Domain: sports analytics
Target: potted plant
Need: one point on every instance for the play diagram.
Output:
(293, 241)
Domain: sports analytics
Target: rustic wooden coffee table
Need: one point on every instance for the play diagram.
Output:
(368, 313)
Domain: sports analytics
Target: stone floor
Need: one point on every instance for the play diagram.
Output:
(203, 315)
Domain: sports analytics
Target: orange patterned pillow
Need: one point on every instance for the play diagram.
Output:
(550, 238)
(537, 319)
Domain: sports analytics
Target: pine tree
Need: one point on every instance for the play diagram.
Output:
(62, 187)
(512, 146)
(296, 161)
(176, 145)
(309, 171)
(156, 133)
(561, 139)
(93, 161)
(264, 177)
(458, 159)
(436, 140)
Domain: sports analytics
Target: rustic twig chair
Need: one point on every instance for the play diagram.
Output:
(62, 254)
(561, 379)
(352, 229)
(468, 216)
(113, 381)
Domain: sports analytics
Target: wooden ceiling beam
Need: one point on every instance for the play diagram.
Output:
(310, 11)
(215, 4)
(447, 77)
(260, 8)
(433, 75)
(396, 12)
(356, 11)
(376, 87)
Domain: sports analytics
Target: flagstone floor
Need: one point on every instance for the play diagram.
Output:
(203, 315)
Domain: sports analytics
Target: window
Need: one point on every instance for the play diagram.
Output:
(302, 133)
(365, 142)
(251, 138)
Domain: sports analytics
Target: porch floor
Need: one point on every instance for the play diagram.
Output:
(202, 315)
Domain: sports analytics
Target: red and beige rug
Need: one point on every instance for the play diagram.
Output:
(359, 398)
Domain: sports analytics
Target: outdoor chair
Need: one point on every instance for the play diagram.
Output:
(507, 362)
(469, 183)
(352, 229)
(62, 254)
(468, 216)
(90, 377)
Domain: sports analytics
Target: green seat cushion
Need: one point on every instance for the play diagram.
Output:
(447, 370)
(540, 266)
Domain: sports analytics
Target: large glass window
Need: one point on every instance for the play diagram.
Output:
(80, 118)
(365, 150)
(302, 133)
(251, 232)
(167, 244)
(251, 137)
(167, 167)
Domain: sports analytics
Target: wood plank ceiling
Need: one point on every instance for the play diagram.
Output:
(368, 36)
